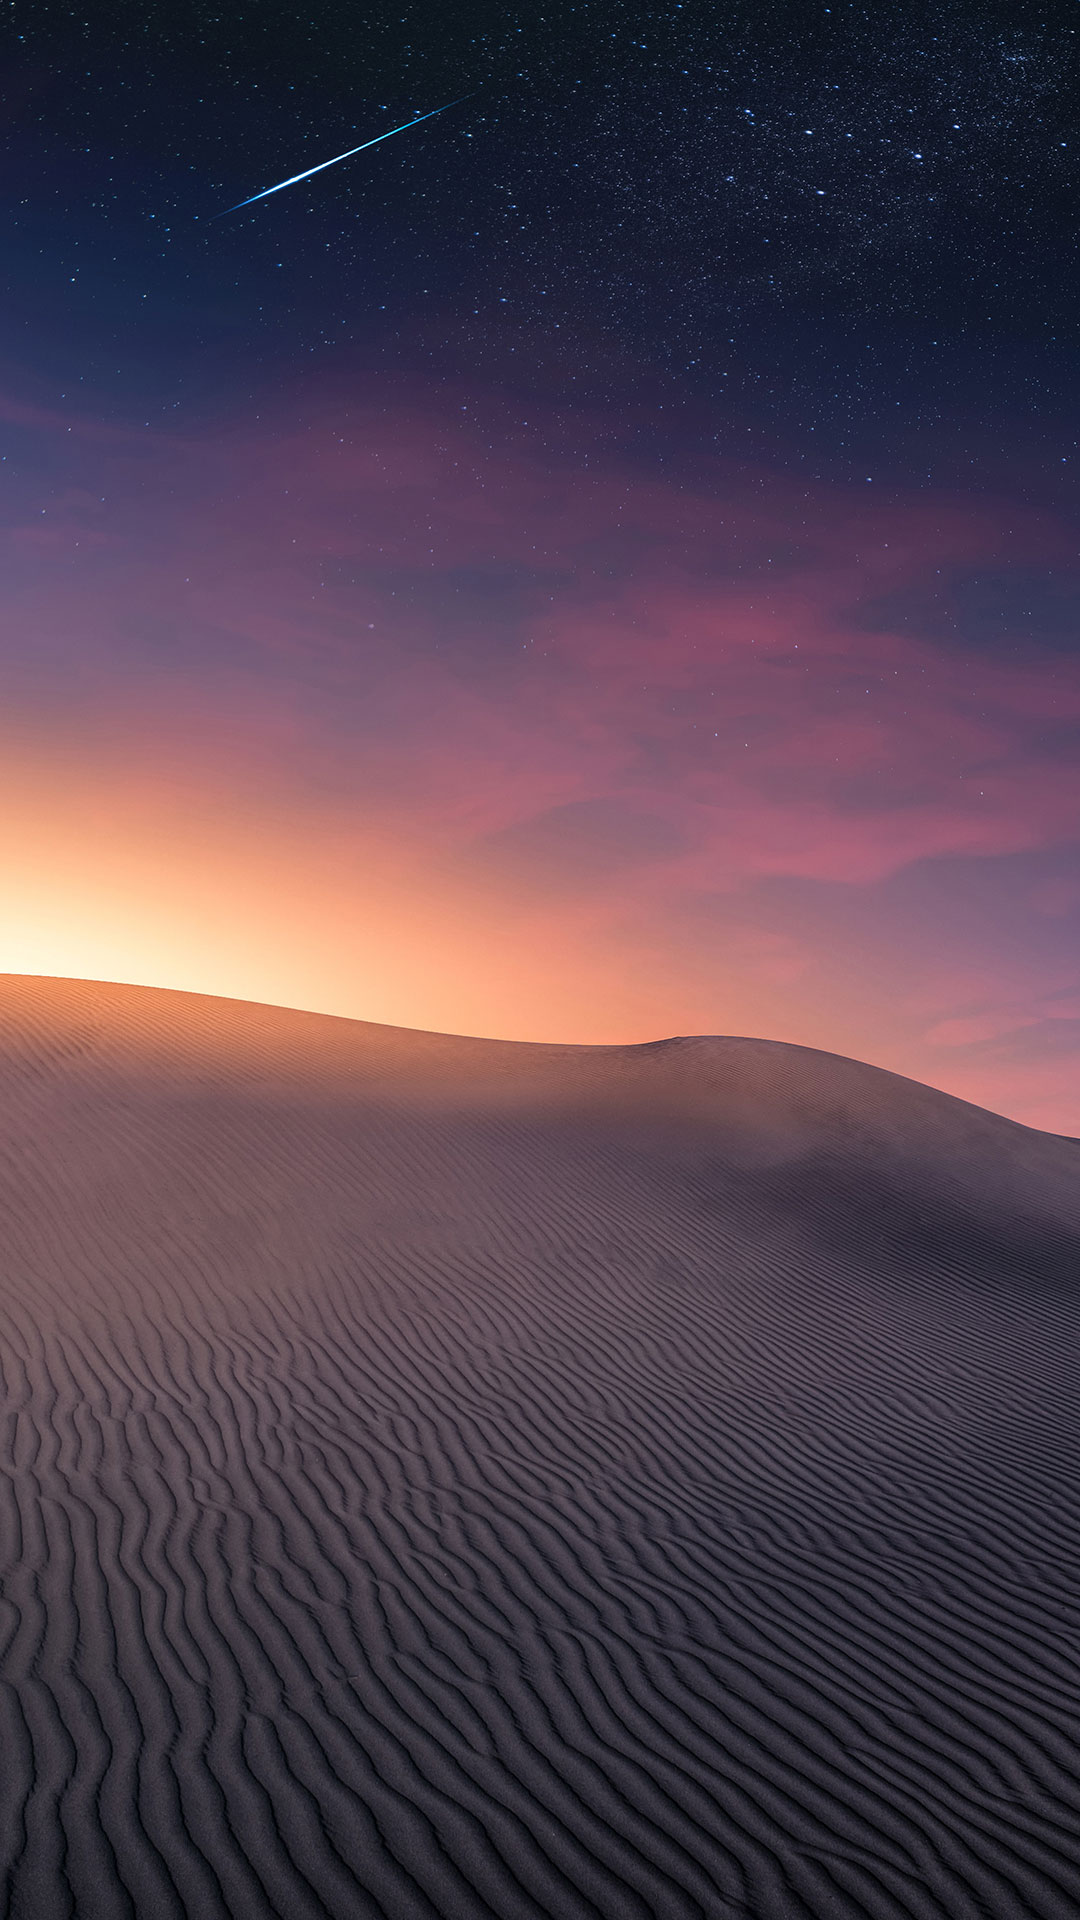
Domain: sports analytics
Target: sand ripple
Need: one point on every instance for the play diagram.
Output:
(445, 1478)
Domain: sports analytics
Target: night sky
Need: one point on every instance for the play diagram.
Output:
(602, 563)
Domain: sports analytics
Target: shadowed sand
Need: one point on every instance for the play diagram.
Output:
(446, 1477)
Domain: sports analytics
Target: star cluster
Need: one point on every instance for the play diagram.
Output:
(665, 176)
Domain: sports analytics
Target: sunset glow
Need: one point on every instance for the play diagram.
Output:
(381, 713)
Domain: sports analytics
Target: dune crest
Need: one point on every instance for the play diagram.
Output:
(450, 1477)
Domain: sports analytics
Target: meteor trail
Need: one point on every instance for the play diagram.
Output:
(293, 178)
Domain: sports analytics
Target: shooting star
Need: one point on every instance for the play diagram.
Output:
(293, 178)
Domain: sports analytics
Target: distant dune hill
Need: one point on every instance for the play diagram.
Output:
(455, 1478)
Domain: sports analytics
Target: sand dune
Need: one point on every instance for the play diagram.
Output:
(453, 1478)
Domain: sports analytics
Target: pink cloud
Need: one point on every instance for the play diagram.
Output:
(384, 617)
(797, 743)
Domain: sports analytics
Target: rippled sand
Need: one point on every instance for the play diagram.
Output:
(453, 1478)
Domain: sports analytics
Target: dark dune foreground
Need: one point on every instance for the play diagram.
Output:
(447, 1477)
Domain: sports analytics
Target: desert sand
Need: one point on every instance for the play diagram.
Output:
(445, 1477)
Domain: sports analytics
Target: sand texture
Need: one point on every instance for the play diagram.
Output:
(446, 1477)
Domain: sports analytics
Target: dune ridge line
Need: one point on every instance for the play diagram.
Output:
(450, 1479)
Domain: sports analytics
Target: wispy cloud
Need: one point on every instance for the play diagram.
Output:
(584, 698)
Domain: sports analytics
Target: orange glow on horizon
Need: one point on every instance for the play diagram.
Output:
(116, 880)
(448, 735)
(153, 885)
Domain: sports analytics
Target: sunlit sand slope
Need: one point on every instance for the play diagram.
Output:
(452, 1478)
